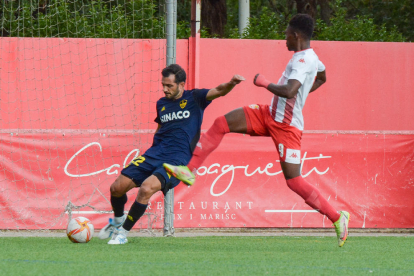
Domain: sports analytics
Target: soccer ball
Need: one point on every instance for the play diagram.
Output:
(80, 230)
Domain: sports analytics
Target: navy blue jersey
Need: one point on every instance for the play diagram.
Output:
(180, 122)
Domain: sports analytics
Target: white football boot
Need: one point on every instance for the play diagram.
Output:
(109, 229)
(119, 236)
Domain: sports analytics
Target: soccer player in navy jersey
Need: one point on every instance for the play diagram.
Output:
(179, 118)
(282, 120)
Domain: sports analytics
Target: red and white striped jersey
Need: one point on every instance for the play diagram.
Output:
(303, 67)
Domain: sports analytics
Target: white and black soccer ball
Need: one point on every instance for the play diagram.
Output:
(80, 230)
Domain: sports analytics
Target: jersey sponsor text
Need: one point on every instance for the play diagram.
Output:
(174, 116)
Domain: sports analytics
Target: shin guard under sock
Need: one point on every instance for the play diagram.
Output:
(135, 213)
(312, 197)
(118, 204)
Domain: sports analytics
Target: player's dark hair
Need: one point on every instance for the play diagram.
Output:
(177, 70)
(302, 23)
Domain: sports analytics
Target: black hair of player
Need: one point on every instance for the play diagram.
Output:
(177, 70)
(302, 23)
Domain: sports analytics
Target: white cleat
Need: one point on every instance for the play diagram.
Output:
(109, 229)
(119, 236)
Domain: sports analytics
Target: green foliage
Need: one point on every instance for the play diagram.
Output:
(271, 20)
(395, 14)
(183, 29)
(354, 20)
(267, 25)
(361, 28)
(271, 25)
(183, 10)
(279, 7)
(73, 18)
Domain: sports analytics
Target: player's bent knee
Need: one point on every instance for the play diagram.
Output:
(146, 191)
(115, 191)
(236, 121)
(121, 186)
(150, 186)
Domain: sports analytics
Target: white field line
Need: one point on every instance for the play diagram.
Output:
(90, 212)
(291, 211)
(266, 211)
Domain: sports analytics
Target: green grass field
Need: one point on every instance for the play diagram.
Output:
(209, 256)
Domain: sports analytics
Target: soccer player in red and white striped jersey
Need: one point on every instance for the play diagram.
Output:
(282, 120)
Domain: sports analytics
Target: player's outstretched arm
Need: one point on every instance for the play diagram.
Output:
(224, 88)
(320, 79)
(288, 90)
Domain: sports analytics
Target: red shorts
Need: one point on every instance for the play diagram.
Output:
(286, 138)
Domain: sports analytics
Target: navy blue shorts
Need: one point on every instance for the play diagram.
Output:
(143, 167)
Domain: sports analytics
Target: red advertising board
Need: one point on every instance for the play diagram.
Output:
(240, 184)
(73, 112)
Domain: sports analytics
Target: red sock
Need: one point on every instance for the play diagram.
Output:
(209, 142)
(313, 197)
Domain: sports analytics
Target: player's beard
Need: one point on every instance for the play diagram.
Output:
(174, 95)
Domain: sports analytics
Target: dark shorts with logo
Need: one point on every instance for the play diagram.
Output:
(143, 167)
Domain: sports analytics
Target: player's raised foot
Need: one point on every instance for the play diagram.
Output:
(183, 173)
(119, 236)
(109, 229)
(341, 227)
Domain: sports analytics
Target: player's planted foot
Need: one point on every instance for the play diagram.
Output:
(182, 173)
(109, 229)
(341, 227)
(119, 236)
